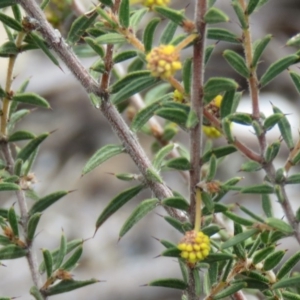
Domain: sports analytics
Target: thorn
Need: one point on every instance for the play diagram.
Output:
(95, 231)
(155, 238)
(157, 256)
(53, 131)
(144, 285)
(71, 191)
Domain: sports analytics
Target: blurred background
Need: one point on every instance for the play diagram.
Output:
(81, 130)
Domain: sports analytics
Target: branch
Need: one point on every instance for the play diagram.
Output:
(113, 117)
(31, 255)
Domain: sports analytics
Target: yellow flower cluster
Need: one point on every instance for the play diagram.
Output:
(213, 107)
(194, 247)
(151, 3)
(163, 61)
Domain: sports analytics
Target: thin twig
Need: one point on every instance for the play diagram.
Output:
(268, 167)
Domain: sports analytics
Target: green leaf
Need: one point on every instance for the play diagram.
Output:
(127, 80)
(35, 292)
(110, 38)
(240, 118)
(62, 251)
(175, 223)
(258, 189)
(239, 238)
(237, 62)
(13, 221)
(296, 79)
(161, 154)
(168, 33)
(285, 129)
(107, 2)
(136, 17)
(290, 296)
(221, 34)
(259, 47)
(277, 67)
(272, 151)
(179, 163)
(21, 136)
(171, 252)
(79, 26)
(239, 11)
(279, 225)
(175, 115)
(287, 282)
(176, 202)
(153, 175)
(70, 246)
(250, 166)
(187, 75)
(215, 85)
(136, 86)
(124, 55)
(7, 49)
(40, 43)
(251, 6)
(140, 211)
(208, 52)
(47, 201)
(238, 219)
(273, 260)
(215, 15)
(124, 16)
(294, 41)
(293, 179)
(5, 3)
(16, 117)
(212, 168)
(214, 257)
(67, 286)
(31, 98)
(32, 225)
(148, 34)
(230, 290)
(173, 283)
(4, 240)
(218, 152)
(171, 14)
(73, 259)
(261, 254)
(26, 151)
(97, 48)
(102, 155)
(117, 202)
(10, 22)
(271, 121)
(288, 265)
(12, 252)
(211, 230)
(267, 205)
(6, 186)
(251, 214)
(227, 104)
(48, 261)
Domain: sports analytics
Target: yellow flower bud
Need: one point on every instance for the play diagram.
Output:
(196, 247)
(151, 3)
(163, 61)
(214, 108)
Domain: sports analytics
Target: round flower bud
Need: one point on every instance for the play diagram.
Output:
(178, 97)
(214, 108)
(195, 246)
(163, 61)
(151, 3)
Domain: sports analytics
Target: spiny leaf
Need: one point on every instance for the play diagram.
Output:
(46, 201)
(12, 252)
(169, 282)
(32, 99)
(239, 238)
(140, 211)
(101, 156)
(117, 202)
(67, 286)
(79, 26)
